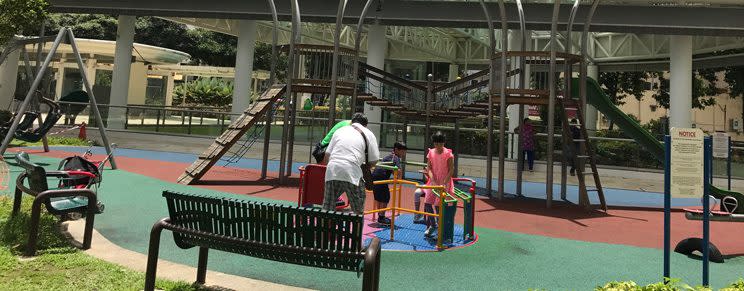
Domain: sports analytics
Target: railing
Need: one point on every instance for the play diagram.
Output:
(310, 129)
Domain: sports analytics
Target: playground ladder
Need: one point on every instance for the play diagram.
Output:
(584, 154)
(232, 135)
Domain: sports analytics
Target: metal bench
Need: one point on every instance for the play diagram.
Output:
(57, 201)
(296, 235)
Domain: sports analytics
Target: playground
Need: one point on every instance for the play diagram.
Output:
(569, 247)
(235, 190)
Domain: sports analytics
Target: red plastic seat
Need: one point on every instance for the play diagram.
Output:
(312, 186)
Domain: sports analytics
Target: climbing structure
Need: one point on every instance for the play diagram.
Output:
(232, 135)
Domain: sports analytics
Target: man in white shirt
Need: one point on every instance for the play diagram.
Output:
(344, 156)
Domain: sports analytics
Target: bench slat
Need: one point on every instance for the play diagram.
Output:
(282, 231)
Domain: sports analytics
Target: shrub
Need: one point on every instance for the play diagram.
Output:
(204, 91)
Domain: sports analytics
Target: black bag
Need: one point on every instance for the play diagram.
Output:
(319, 153)
(78, 163)
(366, 169)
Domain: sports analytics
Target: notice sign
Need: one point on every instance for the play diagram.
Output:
(687, 161)
(720, 145)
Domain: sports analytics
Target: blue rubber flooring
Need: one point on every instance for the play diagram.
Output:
(409, 236)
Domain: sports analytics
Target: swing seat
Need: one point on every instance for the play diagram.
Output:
(52, 117)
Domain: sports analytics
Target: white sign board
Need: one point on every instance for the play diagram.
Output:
(720, 145)
(686, 166)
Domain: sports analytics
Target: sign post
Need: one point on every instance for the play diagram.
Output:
(684, 174)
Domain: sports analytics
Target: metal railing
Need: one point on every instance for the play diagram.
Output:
(469, 142)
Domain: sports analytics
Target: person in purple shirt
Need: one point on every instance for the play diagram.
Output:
(527, 138)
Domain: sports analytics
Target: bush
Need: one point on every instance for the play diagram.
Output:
(205, 92)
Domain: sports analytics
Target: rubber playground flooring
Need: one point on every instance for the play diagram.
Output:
(521, 244)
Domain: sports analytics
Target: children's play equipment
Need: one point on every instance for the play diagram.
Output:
(447, 206)
(312, 187)
(22, 125)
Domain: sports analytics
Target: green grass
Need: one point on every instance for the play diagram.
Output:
(58, 265)
(52, 140)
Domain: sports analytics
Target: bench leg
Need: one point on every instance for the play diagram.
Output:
(89, 218)
(371, 276)
(33, 232)
(17, 201)
(152, 255)
(201, 270)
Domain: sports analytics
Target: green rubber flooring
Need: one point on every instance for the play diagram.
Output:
(498, 261)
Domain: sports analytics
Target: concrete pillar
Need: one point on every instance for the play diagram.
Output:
(680, 93)
(60, 77)
(137, 84)
(376, 52)
(454, 72)
(90, 71)
(592, 71)
(169, 85)
(244, 65)
(9, 78)
(122, 69)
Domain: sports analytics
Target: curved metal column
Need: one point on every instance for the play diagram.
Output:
(502, 105)
(272, 80)
(334, 68)
(285, 160)
(357, 44)
(551, 105)
(491, 84)
(522, 84)
(568, 75)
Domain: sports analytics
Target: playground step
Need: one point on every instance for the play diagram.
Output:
(232, 135)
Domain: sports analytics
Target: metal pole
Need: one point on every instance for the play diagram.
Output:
(296, 22)
(522, 85)
(272, 80)
(334, 69)
(29, 95)
(34, 102)
(551, 105)
(92, 99)
(502, 106)
(728, 163)
(707, 173)
(427, 134)
(39, 47)
(405, 140)
(457, 146)
(492, 80)
(667, 205)
(357, 44)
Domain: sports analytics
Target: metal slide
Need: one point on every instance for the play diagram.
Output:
(597, 98)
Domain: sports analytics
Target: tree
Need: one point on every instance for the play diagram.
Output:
(20, 16)
(703, 84)
(735, 78)
(619, 85)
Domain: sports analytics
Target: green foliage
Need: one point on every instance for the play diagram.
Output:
(58, 265)
(204, 91)
(672, 285)
(20, 16)
(619, 85)
(54, 140)
(703, 84)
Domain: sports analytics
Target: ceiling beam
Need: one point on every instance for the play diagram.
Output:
(640, 19)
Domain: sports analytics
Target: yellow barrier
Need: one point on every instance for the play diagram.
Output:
(397, 187)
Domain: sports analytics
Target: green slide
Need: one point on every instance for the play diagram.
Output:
(597, 98)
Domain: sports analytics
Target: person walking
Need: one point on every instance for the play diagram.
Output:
(527, 137)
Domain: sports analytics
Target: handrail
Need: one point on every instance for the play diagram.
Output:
(462, 81)
(364, 67)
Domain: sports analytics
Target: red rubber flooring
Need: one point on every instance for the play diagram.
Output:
(625, 226)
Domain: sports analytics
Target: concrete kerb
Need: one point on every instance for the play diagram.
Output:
(105, 250)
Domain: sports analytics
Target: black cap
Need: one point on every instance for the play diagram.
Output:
(399, 145)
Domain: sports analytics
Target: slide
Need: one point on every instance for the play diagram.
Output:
(597, 98)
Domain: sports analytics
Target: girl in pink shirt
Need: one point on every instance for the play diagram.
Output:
(440, 169)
